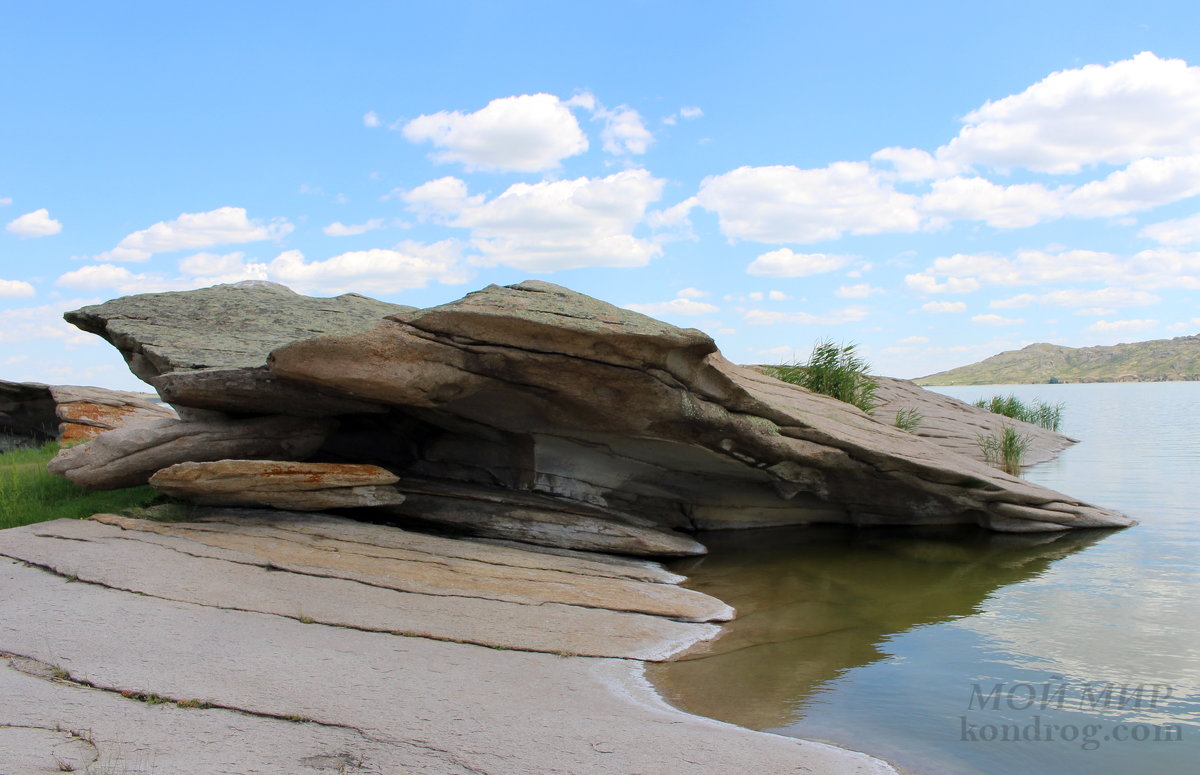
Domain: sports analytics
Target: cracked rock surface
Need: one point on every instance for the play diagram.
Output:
(227, 646)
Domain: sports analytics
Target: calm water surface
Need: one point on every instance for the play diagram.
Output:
(920, 645)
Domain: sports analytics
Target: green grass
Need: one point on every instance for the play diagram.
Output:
(29, 493)
(835, 370)
(1049, 416)
(908, 419)
(1004, 450)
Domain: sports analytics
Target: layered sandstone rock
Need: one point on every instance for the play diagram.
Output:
(619, 423)
(128, 457)
(279, 484)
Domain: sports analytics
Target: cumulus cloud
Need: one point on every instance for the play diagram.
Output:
(339, 229)
(993, 319)
(193, 231)
(758, 317)
(1183, 231)
(787, 263)
(939, 307)
(552, 225)
(371, 119)
(912, 164)
(979, 199)
(789, 204)
(923, 282)
(680, 307)
(1112, 114)
(35, 224)
(526, 133)
(380, 271)
(690, 111)
(693, 293)
(15, 289)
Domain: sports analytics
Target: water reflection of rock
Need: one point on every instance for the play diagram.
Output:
(813, 603)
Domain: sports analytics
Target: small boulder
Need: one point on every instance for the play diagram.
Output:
(278, 484)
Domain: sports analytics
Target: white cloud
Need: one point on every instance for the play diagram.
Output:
(924, 283)
(777, 296)
(911, 164)
(787, 263)
(1113, 297)
(1192, 325)
(5, 201)
(1121, 326)
(35, 224)
(789, 204)
(857, 291)
(15, 289)
(377, 271)
(552, 225)
(1095, 311)
(26, 324)
(1183, 231)
(1016, 302)
(526, 133)
(693, 293)
(1112, 114)
(690, 112)
(675, 307)
(624, 131)
(192, 231)
(1006, 207)
(939, 307)
(371, 119)
(441, 198)
(995, 320)
(339, 229)
(757, 317)
(1144, 184)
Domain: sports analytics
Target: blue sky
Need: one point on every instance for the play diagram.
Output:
(938, 182)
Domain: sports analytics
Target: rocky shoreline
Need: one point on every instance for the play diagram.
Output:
(502, 470)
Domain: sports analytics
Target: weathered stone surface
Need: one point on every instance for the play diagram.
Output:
(956, 425)
(536, 519)
(129, 456)
(379, 702)
(71, 413)
(606, 406)
(166, 561)
(252, 390)
(223, 327)
(279, 484)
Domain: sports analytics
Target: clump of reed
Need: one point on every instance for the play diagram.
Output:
(1037, 412)
(835, 370)
(1004, 450)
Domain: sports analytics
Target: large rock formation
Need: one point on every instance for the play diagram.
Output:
(280, 485)
(539, 391)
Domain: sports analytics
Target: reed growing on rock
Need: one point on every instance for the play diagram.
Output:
(834, 370)
(1048, 416)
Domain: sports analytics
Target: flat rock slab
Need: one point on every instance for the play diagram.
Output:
(279, 484)
(289, 696)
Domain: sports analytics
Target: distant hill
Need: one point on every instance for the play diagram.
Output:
(1158, 360)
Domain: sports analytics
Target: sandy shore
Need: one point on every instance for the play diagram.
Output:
(142, 648)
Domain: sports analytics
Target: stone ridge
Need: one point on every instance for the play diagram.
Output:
(1157, 360)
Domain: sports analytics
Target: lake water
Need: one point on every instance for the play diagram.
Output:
(966, 652)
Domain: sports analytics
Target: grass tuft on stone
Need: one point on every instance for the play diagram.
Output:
(1004, 450)
(1048, 416)
(908, 419)
(834, 370)
(30, 494)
